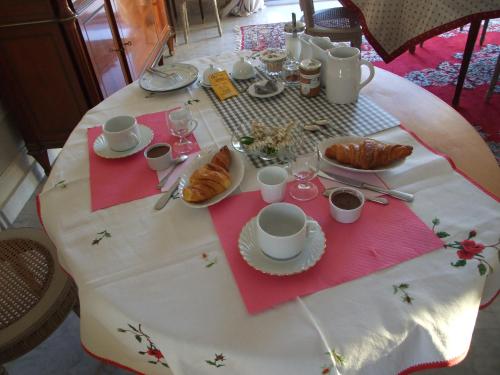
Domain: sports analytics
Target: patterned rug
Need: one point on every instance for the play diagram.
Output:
(434, 67)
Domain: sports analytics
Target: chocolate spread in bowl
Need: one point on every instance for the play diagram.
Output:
(346, 201)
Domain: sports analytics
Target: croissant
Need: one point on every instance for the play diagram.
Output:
(209, 180)
(223, 158)
(369, 154)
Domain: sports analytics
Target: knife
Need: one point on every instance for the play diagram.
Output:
(167, 195)
(363, 185)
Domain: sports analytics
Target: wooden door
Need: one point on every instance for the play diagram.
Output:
(104, 48)
(137, 26)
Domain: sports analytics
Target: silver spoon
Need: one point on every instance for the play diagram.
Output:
(379, 200)
(181, 159)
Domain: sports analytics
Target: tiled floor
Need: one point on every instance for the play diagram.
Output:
(62, 353)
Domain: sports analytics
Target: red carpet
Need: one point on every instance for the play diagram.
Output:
(434, 67)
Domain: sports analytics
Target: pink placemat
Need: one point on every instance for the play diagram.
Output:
(116, 181)
(383, 237)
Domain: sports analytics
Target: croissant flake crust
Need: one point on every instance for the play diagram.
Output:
(210, 179)
(367, 154)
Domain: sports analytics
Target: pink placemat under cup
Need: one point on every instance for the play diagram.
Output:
(116, 181)
(384, 236)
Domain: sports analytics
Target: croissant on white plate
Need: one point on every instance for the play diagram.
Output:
(209, 180)
(368, 154)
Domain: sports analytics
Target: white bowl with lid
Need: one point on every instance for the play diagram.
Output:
(242, 69)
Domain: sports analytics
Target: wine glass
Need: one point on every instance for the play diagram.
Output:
(182, 125)
(304, 168)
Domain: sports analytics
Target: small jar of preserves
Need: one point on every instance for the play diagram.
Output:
(309, 77)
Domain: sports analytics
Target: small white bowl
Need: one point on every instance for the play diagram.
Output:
(343, 215)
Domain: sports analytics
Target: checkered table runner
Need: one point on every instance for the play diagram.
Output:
(362, 118)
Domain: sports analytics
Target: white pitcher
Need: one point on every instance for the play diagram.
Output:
(319, 48)
(343, 74)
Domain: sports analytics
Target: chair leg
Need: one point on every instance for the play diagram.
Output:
(217, 18)
(356, 41)
(469, 47)
(201, 11)
(483, 33)
(185, 21)
(412, 50)
(421, 44)
(494, 80)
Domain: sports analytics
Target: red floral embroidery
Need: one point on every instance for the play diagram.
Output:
(155, 353)
(217, 361)
(468, 249)
(151, 349)
(472, 247)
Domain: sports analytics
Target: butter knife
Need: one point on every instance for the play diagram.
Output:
(167, 195)
(363, 185)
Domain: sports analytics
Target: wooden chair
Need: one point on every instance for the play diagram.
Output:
(339, 24)
(35, 294)
(185, 20)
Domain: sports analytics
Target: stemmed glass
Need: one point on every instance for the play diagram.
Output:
(182, 125)
(304, 168)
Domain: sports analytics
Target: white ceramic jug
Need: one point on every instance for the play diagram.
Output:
(343, 74)
(319, 48)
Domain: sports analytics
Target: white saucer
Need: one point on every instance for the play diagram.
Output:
(101, 146)
(253, 255)
(251, 90)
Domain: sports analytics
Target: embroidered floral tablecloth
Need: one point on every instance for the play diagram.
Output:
(392, 26)
(157, 295)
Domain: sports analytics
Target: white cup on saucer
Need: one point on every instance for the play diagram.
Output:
(282, 229)
(346, 204)
(121, 133)
(272, 181)
(159, 156)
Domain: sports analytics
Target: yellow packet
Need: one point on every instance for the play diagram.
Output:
(222, 85)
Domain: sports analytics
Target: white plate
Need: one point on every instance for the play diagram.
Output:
(253, 255)
(251, 90)
(323, 145)
(183, 75)
(236, 170)
(102, 149)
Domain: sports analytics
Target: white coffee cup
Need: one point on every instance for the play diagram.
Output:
(159, 156)
(282, 229)
(272, 181)
(121, 133)
(346, 211)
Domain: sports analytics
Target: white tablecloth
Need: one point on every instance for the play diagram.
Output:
(152, 272)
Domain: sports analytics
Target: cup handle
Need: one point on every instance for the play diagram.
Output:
(372, 73)
(136, 137)
(311, 227)
(194, 126)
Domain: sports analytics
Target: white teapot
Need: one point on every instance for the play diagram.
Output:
(343, 74)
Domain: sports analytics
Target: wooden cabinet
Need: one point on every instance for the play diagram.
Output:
(103, 47)
(59, 58)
